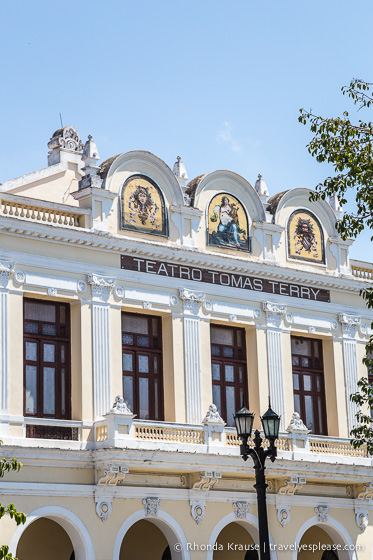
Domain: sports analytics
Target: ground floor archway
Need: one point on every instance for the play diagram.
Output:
(45, 539)
(314, 535)
(151, 536)
(144, 540)
(235, 542)
(70, 537)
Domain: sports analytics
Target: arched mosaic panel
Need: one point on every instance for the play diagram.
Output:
(142, 206)
(305, 237)
(227, 223)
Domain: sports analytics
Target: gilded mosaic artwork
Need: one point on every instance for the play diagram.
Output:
(227, 223)
(305, 237)
(142, 206)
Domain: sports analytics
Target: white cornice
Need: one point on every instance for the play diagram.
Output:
(154, 250)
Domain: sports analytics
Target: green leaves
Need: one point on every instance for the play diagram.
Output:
(19, 517)
(363, 433)
(348, 147)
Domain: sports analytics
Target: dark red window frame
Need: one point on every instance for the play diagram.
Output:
(152, 355)
(309, 384)
(41, 333)
(233, 356)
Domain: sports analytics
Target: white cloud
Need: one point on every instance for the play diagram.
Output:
(225, 135)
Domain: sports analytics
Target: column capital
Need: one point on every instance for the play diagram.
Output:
(274, 313)
(349, 324)
(100, 285)
(6, 269)
(191, 300)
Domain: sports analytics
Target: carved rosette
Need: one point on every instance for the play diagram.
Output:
(119, 292)
(349, 324)
(151, 506)
(274, 313)
(322, 513)
(101, 285)
(241, 509)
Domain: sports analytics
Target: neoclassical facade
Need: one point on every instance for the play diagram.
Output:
(138, 311)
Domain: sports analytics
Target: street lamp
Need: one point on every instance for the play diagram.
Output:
(244, 423)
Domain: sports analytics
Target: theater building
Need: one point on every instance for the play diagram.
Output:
(138, 311)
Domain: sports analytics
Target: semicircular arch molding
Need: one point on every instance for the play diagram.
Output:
(297, 199)
(166, 523)
(144, 163)
(229, 182)
(250, 524)
(69, 521)
(336, 532)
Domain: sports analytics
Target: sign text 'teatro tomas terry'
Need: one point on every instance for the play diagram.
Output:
(219, 278)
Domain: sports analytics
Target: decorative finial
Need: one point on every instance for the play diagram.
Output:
(180, 172)
(90, 157)
(261, 188)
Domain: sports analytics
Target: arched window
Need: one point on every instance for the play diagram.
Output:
(305, 237)
(227, 224)
(142, 206)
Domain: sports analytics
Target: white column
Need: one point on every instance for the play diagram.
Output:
(6, 268)
(349, 326)
(274, 356)
(192, 355)
(101, 288)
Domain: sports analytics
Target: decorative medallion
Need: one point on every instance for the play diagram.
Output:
(142, 206)
(305, 237)
(227, 223)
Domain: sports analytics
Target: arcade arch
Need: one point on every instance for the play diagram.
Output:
(329, 533)
(61, 526)
(165, 538)
(251, 535)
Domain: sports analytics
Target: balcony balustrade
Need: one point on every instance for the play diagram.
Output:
(44, 212)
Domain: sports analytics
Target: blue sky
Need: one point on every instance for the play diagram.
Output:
(218, 82)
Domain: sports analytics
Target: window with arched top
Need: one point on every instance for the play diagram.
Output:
(142, 206)
(227, 223)
(305, 237)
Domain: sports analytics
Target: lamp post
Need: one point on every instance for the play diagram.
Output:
(244, 423)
